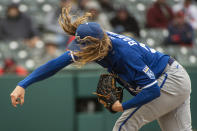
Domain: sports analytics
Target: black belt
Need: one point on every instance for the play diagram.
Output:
(171, 60)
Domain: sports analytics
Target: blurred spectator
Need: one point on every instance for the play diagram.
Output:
(94, 8)
(180, 32)
(35, 51)
(52, 24)
(124, 22)
(1, 33)
(1, 70)
(190, 11)
(17, 26)
(11, 67)
(82, 4)
(106, 5)
(51, 49)
(159, 15)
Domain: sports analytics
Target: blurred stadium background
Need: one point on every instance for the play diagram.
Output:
(65, 101)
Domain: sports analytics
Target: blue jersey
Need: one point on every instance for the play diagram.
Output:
(134, 62)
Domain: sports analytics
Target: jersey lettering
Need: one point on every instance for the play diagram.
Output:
(144, 46)
(147, 48)
(112, 33)
(153, 50)
(126, 39)
(132, 42)
(120, 36)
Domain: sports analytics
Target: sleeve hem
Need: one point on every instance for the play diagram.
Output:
(21, 86)
(149, 85)
(72, 56)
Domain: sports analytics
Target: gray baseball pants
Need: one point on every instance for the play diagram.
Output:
(171, 109)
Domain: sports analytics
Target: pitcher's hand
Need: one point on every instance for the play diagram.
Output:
(117, 106)
(17, 96)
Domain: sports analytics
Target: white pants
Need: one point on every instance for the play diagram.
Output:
(171, 109)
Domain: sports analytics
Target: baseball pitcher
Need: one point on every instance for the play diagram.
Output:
(160, 85)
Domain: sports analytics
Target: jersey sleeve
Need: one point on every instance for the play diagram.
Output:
(48, 69)
(144, 79)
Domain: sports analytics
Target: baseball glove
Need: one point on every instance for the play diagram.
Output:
(107, 92)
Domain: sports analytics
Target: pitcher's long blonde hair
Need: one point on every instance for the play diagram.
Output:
(98, 49)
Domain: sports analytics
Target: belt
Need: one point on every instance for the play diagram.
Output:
(170, 61)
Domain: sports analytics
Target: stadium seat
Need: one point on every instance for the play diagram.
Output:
(30, 64)
(23, 7)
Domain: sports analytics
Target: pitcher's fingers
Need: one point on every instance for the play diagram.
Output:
(13, 100)
(17, 102)
(22, 100)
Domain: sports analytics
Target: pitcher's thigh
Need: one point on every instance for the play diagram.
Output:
(130, 121)
(177, 120)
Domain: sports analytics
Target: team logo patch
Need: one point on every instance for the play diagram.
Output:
(148, 72)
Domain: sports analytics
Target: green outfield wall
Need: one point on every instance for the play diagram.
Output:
(52, 105)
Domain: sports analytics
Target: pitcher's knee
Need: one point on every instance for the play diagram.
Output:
(116, 126)
(121, 126)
